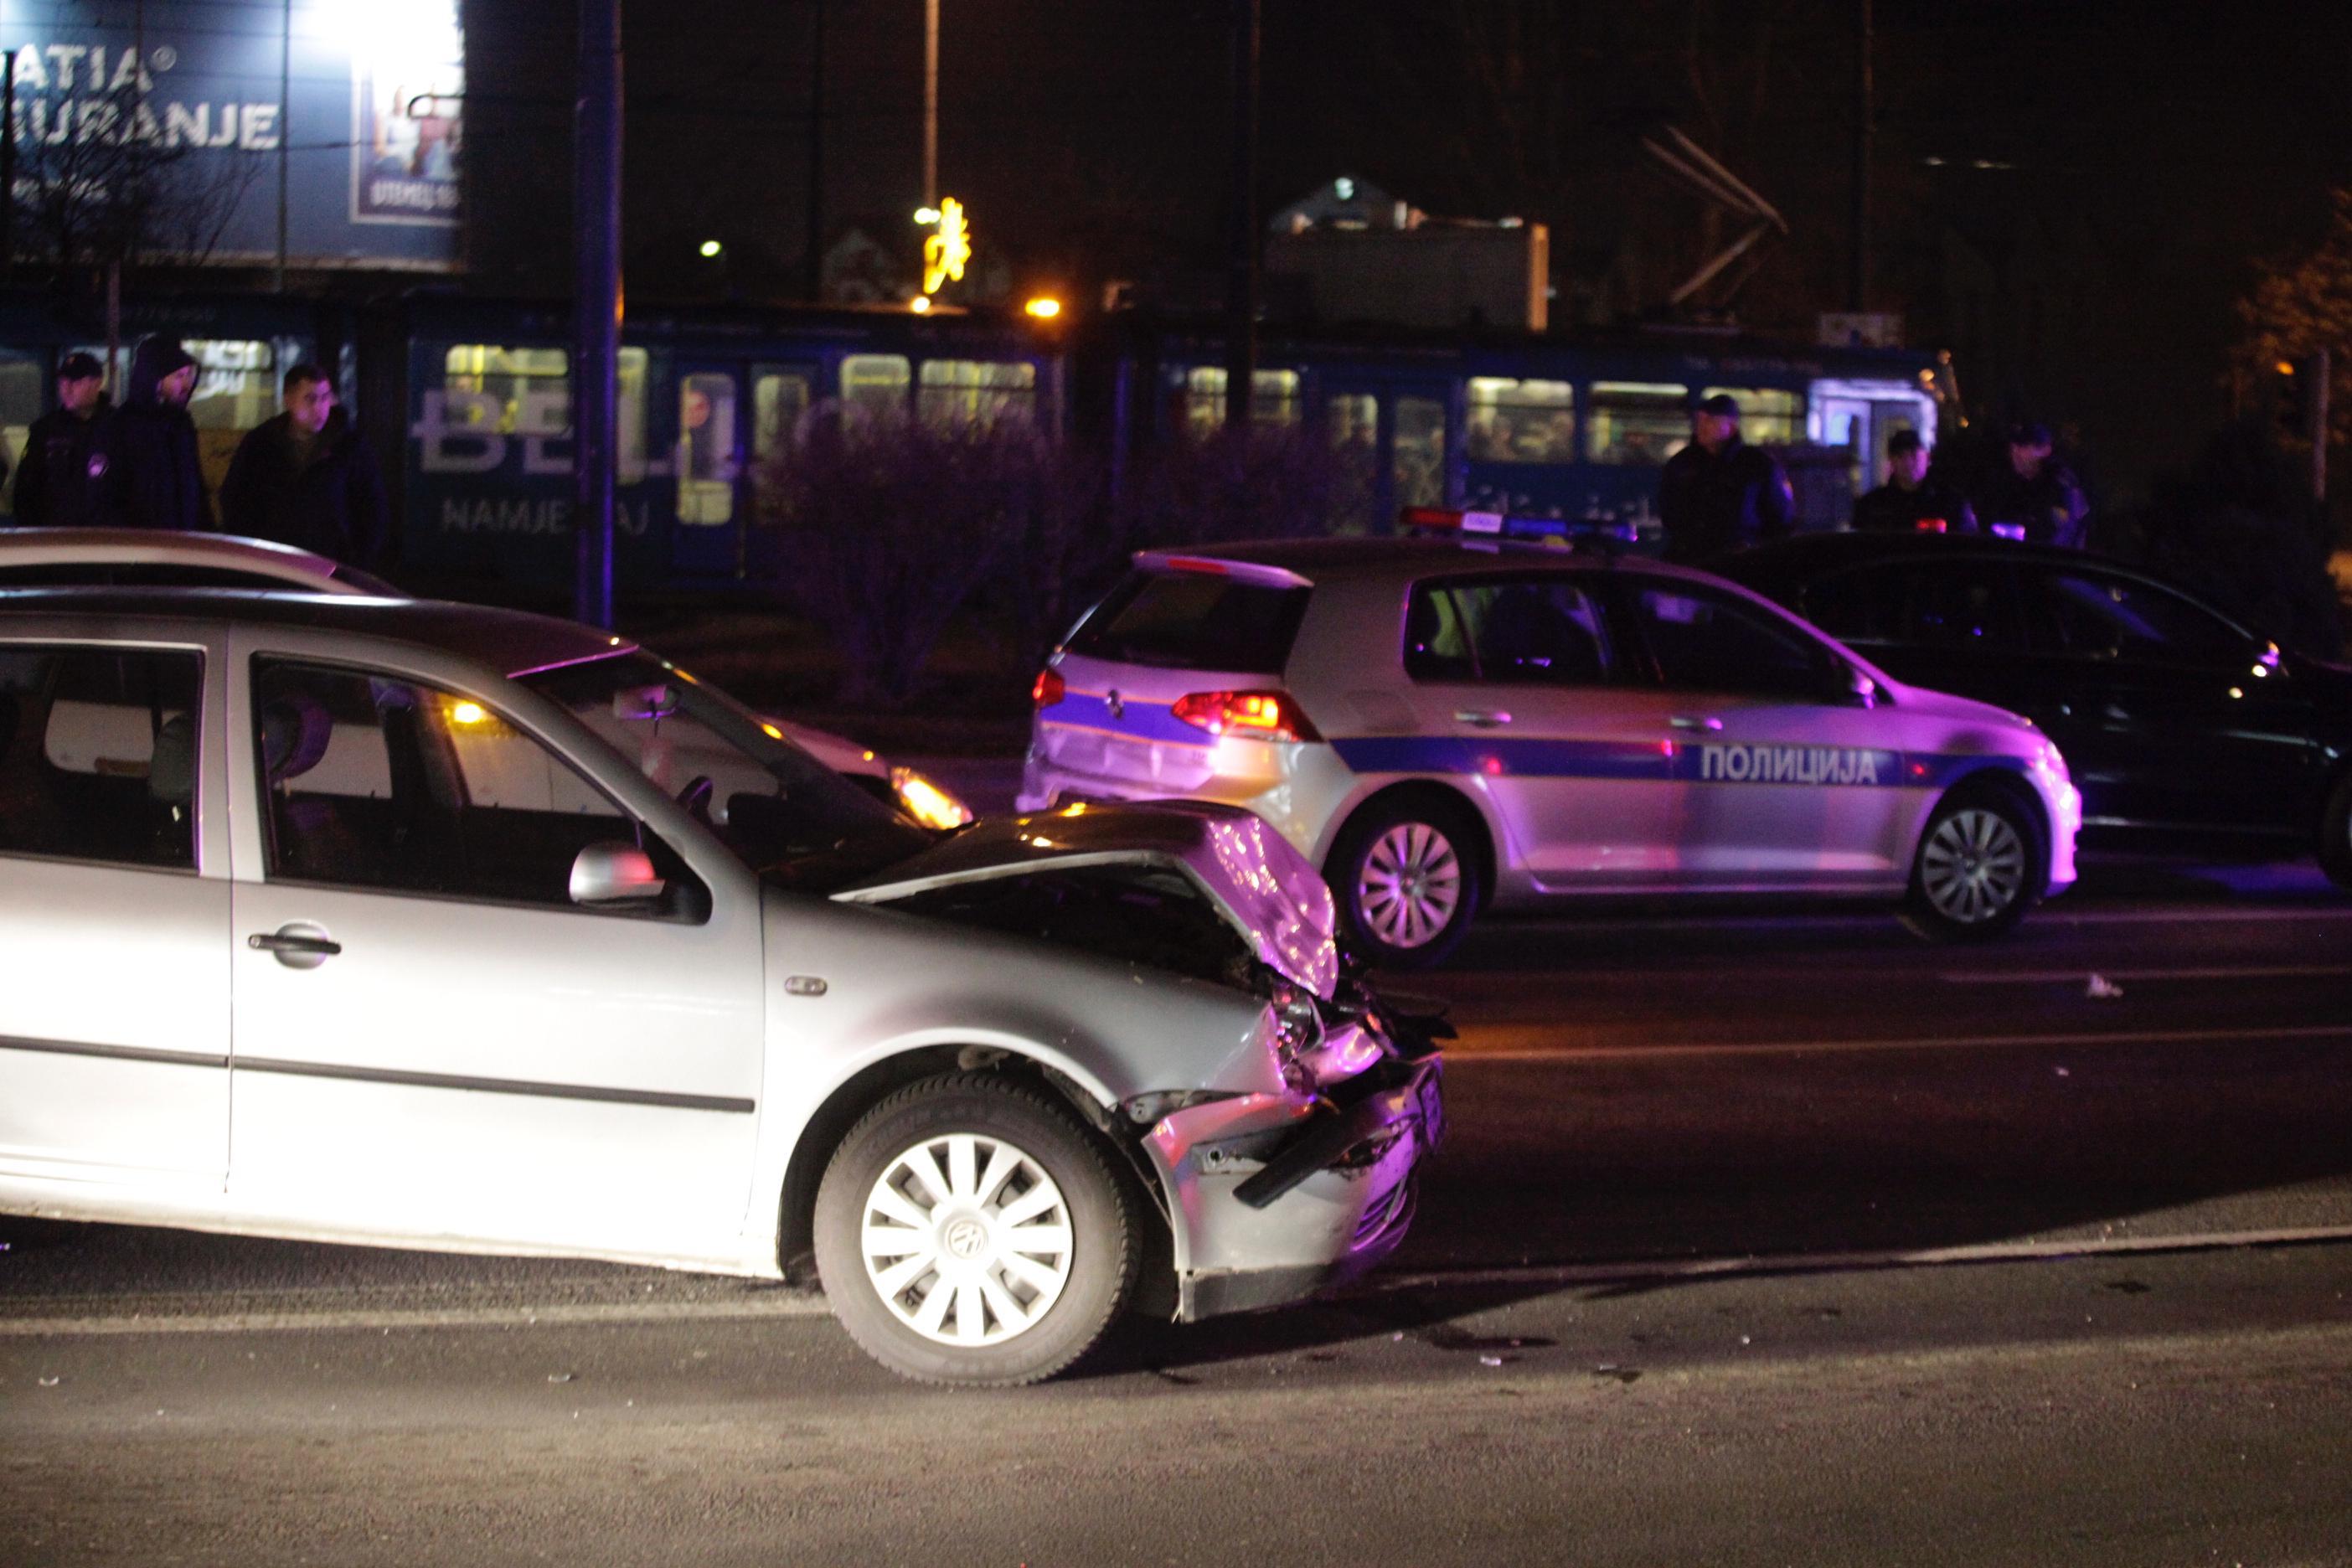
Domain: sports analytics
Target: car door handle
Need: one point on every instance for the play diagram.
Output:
(1687, 721)
(1482, 719)
(291, 941)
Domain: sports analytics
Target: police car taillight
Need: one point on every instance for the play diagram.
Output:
(1929, 525)
(1256, 715)
(1047, 688)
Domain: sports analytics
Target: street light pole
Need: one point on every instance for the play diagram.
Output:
(1242, 276)
(1858, 288)
(596, 241)
(931, 104)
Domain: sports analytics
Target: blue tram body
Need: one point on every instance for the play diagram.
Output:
(467, 404)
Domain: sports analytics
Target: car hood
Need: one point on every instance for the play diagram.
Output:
(1946, 705)
(1265, 890)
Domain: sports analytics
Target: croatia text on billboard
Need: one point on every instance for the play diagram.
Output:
(350, 107)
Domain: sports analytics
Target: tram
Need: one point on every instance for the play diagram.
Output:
(468, 403)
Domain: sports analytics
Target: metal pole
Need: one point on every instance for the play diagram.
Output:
(812, 285)
(931, 104)
(1858, 289)
(8, 166)
(285, 129)
(596, 206)
(1242, 278)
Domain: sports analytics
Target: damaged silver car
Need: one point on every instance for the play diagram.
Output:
(501, 934)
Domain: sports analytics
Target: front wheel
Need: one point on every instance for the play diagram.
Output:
(1978, 867)
(968, 1231)
(1406, 878)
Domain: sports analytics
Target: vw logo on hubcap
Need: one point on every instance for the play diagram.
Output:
(1117, 704)
(966, 1238)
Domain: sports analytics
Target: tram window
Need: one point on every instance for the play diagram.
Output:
(23, 395)
(1199, 397)
(976, 392)
(527, 392)
(779, 398)
(1639, 424)
(1769, 416)
(1418, 461)
(1352, 421)
(875, 383)
(1515, 421)
(706, 450)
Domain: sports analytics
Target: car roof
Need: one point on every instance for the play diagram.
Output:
(1807, 554)
(1342, 559)
(515, 642)
(163, 547)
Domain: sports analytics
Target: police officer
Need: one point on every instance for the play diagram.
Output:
(151, 478)
(55, 485)
(2038, 499)
(1910, 502)
(307, 477)
(1720, 493)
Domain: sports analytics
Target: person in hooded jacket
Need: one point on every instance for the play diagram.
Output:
(307, 477)
(144, 458)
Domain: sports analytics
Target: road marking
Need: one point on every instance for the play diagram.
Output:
(797, 1304)
(1467, 1051)
(2048, 976)
(780, 1304)
(2028, 1249)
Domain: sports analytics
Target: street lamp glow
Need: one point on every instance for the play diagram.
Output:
(711, 248)
(921, 304)
(927, 215)
(1044, 307)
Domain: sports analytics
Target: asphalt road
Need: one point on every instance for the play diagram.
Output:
(1758, 1239)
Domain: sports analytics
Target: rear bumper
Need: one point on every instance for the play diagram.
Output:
(1273, 1201)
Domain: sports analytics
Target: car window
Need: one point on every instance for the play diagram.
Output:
(147, 575)
(381, 782)
(1705, 641)
(1193, 620)
(2094, 614)
(97, 753)
(1543, 631)
(1935, 605)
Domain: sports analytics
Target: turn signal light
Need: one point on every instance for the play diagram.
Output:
(1258, 715)
(1047, 688)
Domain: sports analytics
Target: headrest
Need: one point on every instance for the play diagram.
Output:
(295, 731)
(172, 771)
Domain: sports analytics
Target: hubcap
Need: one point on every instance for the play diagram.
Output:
(1972, 868)
(967, 1239)
(1409, 885)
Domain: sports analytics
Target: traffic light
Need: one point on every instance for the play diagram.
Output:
(2300, 396)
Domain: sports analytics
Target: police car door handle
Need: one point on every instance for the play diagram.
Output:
(1686, 721)
(1483, 718)
(294, 943)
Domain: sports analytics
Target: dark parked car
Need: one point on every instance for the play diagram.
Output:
(2178, 723)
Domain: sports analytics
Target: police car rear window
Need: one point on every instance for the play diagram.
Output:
(1193, 620)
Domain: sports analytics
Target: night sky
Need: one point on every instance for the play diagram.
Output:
(2145, 152)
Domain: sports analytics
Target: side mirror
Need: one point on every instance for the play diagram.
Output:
(1858, 690)
(606, 875)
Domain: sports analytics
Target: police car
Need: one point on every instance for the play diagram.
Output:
(1479, 716)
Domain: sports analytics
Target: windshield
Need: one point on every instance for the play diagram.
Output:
(787, 815)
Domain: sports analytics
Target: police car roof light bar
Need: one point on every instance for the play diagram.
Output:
(1497, 525)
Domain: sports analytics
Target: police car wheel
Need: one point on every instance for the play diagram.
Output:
(2335, 834)
(969, 1231)
(1977, 867)
(1407, 881)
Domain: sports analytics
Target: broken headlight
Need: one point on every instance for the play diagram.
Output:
(1294, 1028)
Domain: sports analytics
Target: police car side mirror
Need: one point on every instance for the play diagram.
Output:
(1857, 690)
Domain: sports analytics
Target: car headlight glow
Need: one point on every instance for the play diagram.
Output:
(926, 802)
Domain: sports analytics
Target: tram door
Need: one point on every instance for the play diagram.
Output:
(1390, 438)
(735, 423)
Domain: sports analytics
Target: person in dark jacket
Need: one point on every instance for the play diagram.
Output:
(145, 461)
(55, 485)
(1912, 501)
(2038, 499)
(1718, 493)
(307, 477)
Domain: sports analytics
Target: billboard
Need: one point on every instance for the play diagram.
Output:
(351, 110)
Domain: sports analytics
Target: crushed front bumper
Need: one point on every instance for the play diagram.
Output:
(1274, 1198)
